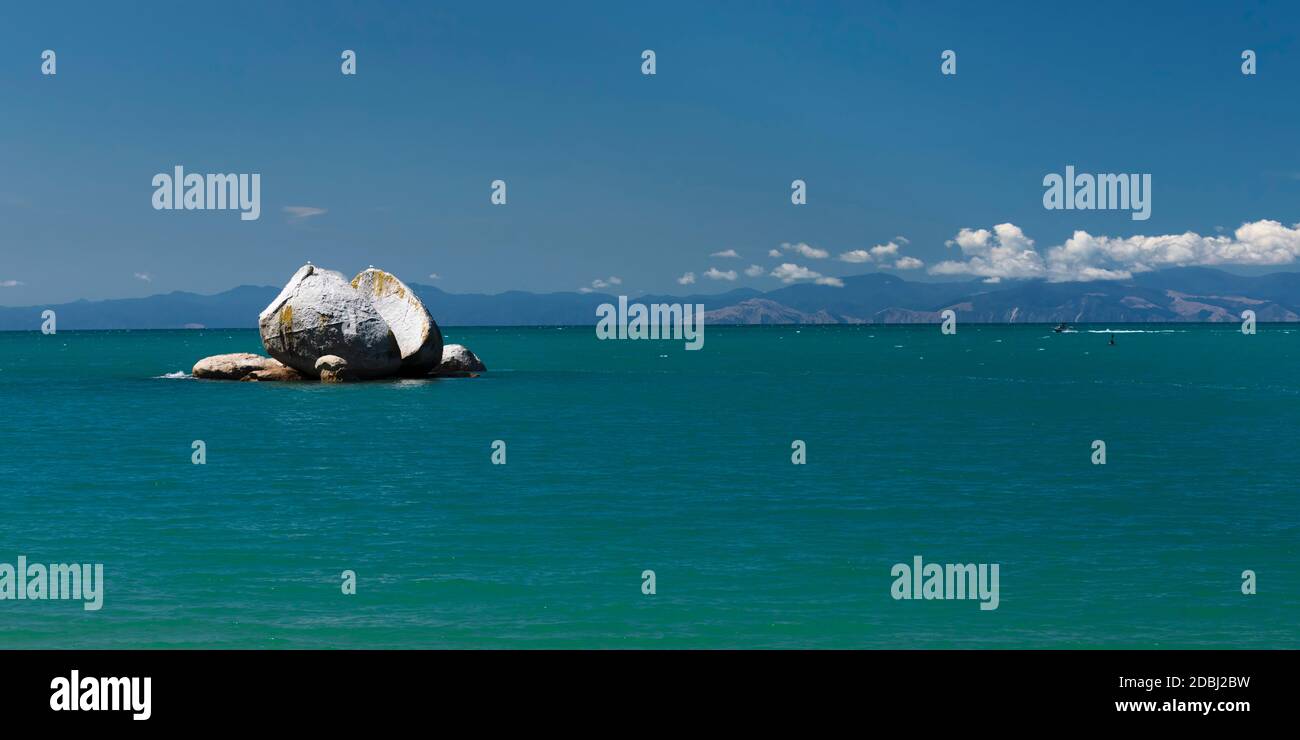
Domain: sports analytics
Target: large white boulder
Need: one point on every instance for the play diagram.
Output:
(416, 332)
(319, 313)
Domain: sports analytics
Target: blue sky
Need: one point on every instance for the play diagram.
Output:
(613, 173)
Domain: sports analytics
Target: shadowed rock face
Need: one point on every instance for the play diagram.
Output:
(416, 332)
(319, 313)
(277, 373)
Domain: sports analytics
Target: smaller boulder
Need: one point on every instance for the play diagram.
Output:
(332, 369)
(237, 366)
(458, 362)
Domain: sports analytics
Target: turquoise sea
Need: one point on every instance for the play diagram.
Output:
(624, 456)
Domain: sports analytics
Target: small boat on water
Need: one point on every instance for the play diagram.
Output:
(1060, 328)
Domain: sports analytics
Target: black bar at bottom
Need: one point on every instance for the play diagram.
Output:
(335, 689)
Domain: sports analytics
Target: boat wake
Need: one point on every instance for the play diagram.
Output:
(1137, 331)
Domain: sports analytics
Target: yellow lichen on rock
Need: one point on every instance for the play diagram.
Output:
(415, 330)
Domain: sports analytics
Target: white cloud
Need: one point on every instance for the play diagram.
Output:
(908, 263)
(687, 279)
(1004, 252)
(881, 253)
(715, 274)
(726, 253)
(812, 253)
(832, 281)
(144, 276)
(773, 253)
(11, 283)
(599, 284)
(434, 276)
(788, 272)
(1007, 253)
(298, 213)
(754, 270)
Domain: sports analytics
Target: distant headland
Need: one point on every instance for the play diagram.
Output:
(1195, 294)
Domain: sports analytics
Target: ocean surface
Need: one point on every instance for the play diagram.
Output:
(626, 456)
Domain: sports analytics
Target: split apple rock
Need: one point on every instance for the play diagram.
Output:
(319, 313)
(323, 326)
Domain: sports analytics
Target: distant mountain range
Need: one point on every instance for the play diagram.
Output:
(1181, 294)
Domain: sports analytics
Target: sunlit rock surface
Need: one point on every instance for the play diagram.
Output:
(416, 332)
